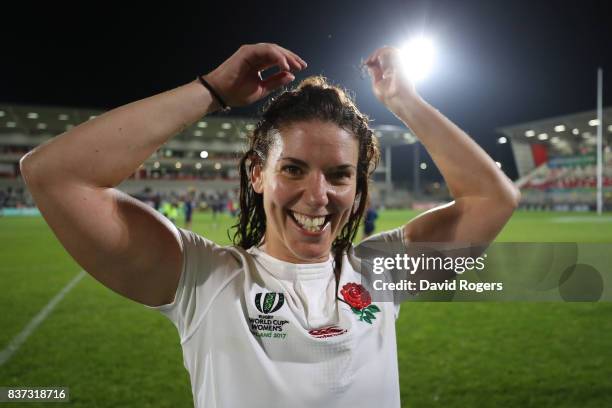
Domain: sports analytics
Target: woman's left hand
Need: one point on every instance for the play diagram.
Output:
(390, 83)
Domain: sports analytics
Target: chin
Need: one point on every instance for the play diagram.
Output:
(311, 253)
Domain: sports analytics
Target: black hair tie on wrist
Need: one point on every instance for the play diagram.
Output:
(224, 106)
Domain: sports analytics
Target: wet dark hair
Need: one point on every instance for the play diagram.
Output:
(313, 99)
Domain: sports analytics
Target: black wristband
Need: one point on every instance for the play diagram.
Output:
(224, 106)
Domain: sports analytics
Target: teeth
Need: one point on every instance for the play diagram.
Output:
(312, 224)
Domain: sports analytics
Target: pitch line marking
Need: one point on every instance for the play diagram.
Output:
(18, 340)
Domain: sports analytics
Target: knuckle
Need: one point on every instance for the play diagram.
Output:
(245, 47)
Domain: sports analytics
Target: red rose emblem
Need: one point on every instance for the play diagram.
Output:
(356, 295)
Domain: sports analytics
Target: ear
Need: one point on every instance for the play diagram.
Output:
(257, 178)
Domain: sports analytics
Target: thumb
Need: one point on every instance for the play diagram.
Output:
(277, 80)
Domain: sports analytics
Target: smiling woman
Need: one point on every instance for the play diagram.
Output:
(281, 315)
(305, 177)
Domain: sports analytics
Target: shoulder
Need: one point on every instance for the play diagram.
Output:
(204, 252)
(386, 243)
(395, 237)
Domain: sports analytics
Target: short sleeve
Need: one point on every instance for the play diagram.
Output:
(394, 236)
(207, 268)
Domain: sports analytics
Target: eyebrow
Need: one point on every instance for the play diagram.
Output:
(304, 164)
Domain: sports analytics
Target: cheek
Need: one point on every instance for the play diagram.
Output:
(346, 196)
(279, 193)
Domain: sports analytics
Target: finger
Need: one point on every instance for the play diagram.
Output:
(371, 58)
(296, 57)
(277, 80)
(264, 56)
(388, 59)
(292, 59)
(380, 52)
(374, 71)
(294, 62)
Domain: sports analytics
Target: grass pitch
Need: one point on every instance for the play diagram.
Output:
(112, 352)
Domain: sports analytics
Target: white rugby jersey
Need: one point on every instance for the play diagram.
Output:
(260, 332)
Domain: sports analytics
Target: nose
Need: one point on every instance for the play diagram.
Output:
(317, 190)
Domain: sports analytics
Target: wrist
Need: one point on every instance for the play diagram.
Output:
(407, 107)
(220, 100)
(205, 98)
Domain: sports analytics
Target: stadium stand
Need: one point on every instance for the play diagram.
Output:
(556, 161)
(203, 158)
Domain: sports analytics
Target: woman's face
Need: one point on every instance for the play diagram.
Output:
(308, 184)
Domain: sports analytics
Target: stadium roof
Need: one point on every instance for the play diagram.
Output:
(22, 125)
(563, 133)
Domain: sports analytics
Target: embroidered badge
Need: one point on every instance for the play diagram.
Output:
(266, 324)
(270, 302)
(359, 299)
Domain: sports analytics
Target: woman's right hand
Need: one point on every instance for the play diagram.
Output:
(238, 80)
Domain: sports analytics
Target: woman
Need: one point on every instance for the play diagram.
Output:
(279, 319)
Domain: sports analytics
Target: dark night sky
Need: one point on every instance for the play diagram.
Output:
(499, 63)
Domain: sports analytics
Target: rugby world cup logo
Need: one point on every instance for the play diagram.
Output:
(270, 302)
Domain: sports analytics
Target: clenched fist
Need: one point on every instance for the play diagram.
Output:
(390, 83)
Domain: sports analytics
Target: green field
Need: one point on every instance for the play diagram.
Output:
(112, 352)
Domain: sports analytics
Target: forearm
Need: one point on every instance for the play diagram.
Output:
(465, 166)
(108, 149)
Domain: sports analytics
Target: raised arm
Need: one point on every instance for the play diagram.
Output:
(484, 198)
(121, 242)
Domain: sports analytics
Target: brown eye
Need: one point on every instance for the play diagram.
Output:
(340, 175)
(292, 170)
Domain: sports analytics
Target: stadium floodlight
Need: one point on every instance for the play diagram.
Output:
(226, 125)
(542, 136)
(63, 116)
(418, 57)
(530, 133)
(203, 154)
(2, 113)
(202, 124)
(498, 164)
(502, 140)
(423, 166)
(32, 115)
(593, 122)
(559, 128)
(575, 131)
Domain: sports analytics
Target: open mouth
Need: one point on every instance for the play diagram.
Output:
(310, 223)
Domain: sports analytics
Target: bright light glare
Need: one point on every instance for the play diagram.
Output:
(418, 57)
